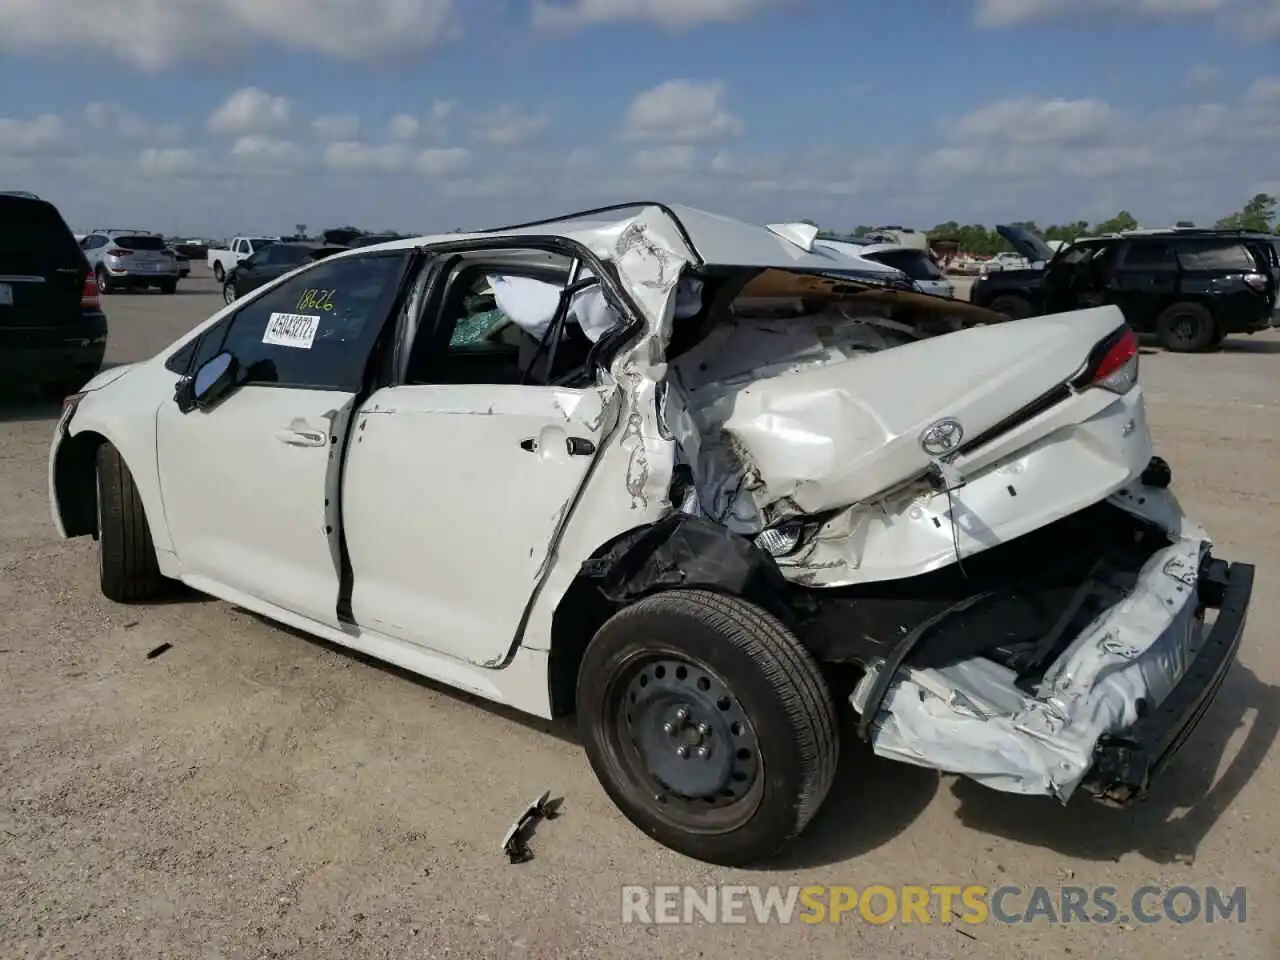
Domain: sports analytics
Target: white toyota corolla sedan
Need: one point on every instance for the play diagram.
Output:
(695, 481)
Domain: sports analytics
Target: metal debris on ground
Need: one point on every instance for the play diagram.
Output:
(155, 652)
(516, 842)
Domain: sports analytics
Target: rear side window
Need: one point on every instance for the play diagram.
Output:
(916, 264)
(34, 237)
(317, 329)
(1227, 257)
(139, 243)
(1150, 255)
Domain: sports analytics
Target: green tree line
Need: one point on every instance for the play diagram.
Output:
(1259, 214)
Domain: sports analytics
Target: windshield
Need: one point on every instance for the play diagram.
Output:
(139, 243)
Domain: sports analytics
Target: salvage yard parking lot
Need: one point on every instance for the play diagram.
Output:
(250, 792)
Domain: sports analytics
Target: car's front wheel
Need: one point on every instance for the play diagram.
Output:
(709, 724)
(228, 293)
(127, 565)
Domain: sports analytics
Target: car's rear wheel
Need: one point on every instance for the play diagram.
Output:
(127, 565)
(1186, 328)
(218, 273)
(104, 281)
(1012, 305)
(169, 286)
(708, 724)
(228, 293)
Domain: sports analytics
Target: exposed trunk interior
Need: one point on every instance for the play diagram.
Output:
(1019, 604)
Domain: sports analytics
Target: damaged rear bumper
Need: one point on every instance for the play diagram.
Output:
(1127, 684)
(1126, 762)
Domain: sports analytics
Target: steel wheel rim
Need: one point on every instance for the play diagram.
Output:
(228, 293)
(683, 741)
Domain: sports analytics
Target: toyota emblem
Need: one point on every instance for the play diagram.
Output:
(941, 437)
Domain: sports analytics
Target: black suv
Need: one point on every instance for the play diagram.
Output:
(267, 263)
(53, 333)
(1189, 287)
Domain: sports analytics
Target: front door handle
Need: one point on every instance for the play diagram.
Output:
(302, 438)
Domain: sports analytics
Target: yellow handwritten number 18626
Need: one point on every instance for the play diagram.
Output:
(316, 300)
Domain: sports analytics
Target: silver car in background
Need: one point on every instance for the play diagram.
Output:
(131, 259)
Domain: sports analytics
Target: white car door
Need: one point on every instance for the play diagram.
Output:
(458, 482)
(250, 485)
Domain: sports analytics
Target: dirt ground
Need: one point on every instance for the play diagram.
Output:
(252, 793)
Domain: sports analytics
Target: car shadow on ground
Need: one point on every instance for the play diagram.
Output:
(1250, 345)
(873, 800)
(29, 405)
(564, 730)
(1184, 803)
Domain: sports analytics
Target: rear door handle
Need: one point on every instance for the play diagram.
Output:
(576, 446)
(302, 438)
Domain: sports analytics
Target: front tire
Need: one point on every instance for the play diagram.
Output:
(127, 565)
(708, 724)
(228, 293)
(218, 273)
(105, 285)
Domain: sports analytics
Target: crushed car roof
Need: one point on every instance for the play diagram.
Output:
(709, 238)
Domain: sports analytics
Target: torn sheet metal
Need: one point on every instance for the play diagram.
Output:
(971, 718)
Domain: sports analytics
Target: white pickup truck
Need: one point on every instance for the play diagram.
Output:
(222, 260)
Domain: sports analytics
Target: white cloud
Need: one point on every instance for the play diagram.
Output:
(441, 110)
(168, 161)
(1027, 120)
(42, 136)
(250, 111)
(260, 150)
(348, 156)
(114, 120)
(672, 14)
(682, 112)
(1264, 91)
(670, 159)
(157, 34)
(442, 161)
(1007, 13)
(338, 126)
(404, 126)
(507, 126)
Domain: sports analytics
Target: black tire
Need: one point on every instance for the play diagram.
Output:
(228, 293)
(218, 273)
(169, 286)
(127, 565)
(719, 658)
(1012, 306)
(1186, 328)
(104, 281)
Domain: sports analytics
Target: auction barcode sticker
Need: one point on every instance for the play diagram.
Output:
(291, 330)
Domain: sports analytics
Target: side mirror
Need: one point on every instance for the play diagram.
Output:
(215, 378)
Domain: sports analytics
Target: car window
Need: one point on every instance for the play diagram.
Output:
(1149, 254)
(130, 242)
(34, 238)
(285, 256)
(916, 264)
(475, 340)
(1225, 256)
(316, 329)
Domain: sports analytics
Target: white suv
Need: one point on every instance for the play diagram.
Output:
(131, 259)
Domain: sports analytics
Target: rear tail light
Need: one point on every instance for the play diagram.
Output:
(1113, 364)
(1256, 281)
(117, 252)
(89, 297)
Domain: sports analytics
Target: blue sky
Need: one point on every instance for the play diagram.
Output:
(212, 116)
